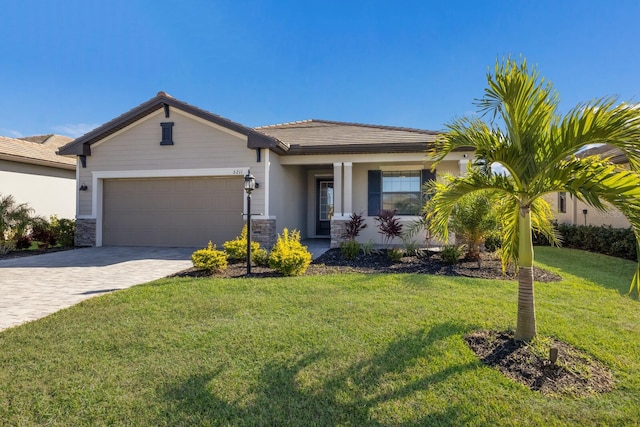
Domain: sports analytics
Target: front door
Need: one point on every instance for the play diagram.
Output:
(324, 207)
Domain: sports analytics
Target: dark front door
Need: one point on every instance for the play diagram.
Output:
(324, 207)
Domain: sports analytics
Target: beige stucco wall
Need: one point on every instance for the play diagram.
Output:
(49, 191)
(198, 145)
(574, 213)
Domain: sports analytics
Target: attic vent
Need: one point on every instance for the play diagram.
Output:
(167, 133)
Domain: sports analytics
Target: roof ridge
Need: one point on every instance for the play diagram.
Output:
(335, 122)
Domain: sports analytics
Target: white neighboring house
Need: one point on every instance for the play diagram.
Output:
(32, 172)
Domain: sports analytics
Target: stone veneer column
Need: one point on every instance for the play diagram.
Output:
(85, 234)
(338, 227)
(263, 231)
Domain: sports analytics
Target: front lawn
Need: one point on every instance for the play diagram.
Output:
(349, 349)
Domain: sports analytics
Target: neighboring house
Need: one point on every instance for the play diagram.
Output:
(570, 210)
(169, 174)
(32, 173)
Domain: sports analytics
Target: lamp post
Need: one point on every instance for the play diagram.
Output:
(585, 212)
(249, 186)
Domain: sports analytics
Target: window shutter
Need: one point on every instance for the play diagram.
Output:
(375, 190)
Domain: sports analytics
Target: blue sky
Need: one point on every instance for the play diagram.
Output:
(68, 66)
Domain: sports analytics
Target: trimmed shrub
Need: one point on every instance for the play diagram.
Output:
(64, 230)
(450, 254)
(618, 242)
(350, 249)
(260, 257)
(288, 256)
(237, 249)
(210, 259)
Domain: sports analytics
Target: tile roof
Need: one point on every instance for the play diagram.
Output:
(325, 136)
(606, 151)
(51, 139)
(40, 153)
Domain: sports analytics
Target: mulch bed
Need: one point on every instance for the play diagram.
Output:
(574, 373)
(26, 253)
(332, 262)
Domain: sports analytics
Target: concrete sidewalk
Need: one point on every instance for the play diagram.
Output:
(36, 286)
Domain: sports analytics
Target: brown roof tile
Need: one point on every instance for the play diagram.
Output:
(23, 151)
(606, 151)
(319, 136)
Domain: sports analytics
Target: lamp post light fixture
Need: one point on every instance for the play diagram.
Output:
(585, 212)
(249, 186)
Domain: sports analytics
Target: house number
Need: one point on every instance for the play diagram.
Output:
(238, 172)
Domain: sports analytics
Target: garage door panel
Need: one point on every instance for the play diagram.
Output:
(172, 212)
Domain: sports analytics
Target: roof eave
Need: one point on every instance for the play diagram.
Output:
(40, 162)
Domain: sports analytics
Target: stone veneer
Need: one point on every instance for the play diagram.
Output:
(338, 228)
(263, 231)
(85, 234)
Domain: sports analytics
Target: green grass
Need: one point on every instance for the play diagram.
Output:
(319, 350)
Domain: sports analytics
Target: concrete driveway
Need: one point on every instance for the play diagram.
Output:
(36, 286)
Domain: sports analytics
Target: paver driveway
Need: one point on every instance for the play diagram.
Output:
(35, 286)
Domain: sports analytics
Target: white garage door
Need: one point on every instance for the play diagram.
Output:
(178, 212)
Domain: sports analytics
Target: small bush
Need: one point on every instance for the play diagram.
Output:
(450, 254)
(493, 241)
(6, 246)
(410, 247)
(23, 242)
(41, 231)
(237, 249)
(288, 256)
(350, 249)
(209, 259)
(354, 226)
(64, 230)
(368, 248)
(260, 257)
(394, 254)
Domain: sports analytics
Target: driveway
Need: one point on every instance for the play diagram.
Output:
(36, 286)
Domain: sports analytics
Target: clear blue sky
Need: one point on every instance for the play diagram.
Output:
(70, 65)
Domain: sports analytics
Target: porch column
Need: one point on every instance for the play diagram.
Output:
(347, 189)
(462, 164)
(337, 189)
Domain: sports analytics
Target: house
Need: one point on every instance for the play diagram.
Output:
(32, 173)
(570, 210)
(167, 173)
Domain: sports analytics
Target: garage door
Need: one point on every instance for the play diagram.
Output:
(179, 212)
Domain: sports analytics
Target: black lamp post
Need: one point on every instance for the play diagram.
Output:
(249, 186)
(585, 212)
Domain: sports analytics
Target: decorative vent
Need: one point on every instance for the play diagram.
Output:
(167, 133)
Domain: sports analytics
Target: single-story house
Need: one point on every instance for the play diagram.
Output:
(570, 210)
(32, 173)
(167, 173)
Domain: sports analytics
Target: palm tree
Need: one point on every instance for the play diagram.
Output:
(537, 147)
(14, 220)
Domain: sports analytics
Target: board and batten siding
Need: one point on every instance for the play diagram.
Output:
(198, 144)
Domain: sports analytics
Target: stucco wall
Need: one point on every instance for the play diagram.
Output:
(575, 213)
(287, 195)
(49, 191)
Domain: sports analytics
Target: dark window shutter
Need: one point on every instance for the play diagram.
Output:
(375, 193)
(167, 133)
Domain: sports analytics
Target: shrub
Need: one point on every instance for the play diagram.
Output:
(354, 226)
(260, 257)
(368, 248)
(6, 246)
(237, 249)
(288, 256)
(388, 225)
(618, 242)
(209, 259)
(394, 254)
(63, 230)
(410, 246)
(450, 254)
(350, 249)
(41, 231)
(493, 241)
(23, 242)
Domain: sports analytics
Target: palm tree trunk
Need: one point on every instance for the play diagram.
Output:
(526, 326)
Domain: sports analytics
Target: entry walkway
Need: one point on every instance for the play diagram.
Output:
(36, 286)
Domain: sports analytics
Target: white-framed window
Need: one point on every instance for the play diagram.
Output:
(401, 191)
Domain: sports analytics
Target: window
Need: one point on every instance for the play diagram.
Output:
(401, 192)
(562, 202)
